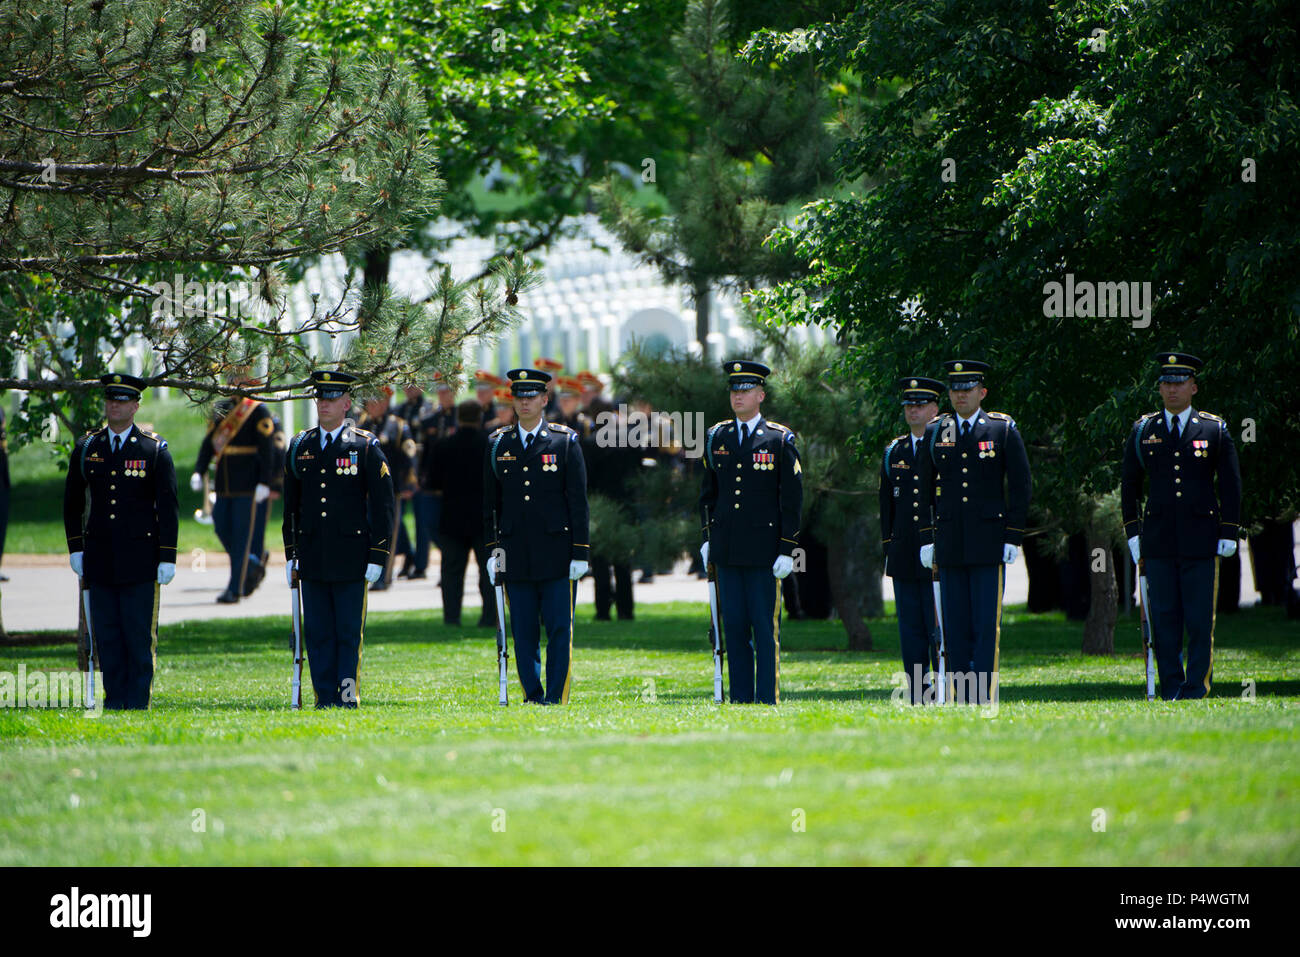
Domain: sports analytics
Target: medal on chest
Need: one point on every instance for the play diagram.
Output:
(134, 468)
(346, 466)
(1201, 447)
(764, 461)
(987, 451)
(549, 462)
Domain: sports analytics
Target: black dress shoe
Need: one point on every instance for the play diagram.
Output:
(486, 622)
(417, 575)
(380, 585)
(227, 597)
(256, 573)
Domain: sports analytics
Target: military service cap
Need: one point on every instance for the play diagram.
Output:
(965, 373)
(744, 374)
(1178, 366)
(119, 385)
(486, 380)
(548, 365)
(526, 382)
(332, 385)
(918, 390)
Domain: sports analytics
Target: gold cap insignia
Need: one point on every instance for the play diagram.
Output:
(1172, 360)
(913, 383)
(956, 367)
(736, 367)
(117, 378)
(325, 377)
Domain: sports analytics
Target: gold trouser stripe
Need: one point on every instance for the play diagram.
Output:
(361, 645)
(392, 542)
(564, 695)
(997, 635)
(776, 641)
(1214, 614)
(153, 641)
(243, 565)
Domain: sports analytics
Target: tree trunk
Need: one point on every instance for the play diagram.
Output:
(855, 585)
(700, 296)
(1099, 626)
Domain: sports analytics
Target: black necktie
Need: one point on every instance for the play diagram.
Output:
(965, 430)
(1173, 432)
(117, 444)
(744, 433)
(528, 441)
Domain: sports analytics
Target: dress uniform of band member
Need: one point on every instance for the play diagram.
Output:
(436, 424)
(241, 441)
(1185, 528)
(485, 390)
(535, 522)
(568, 413)
(901, 519)
(398, 445)
(124, 546)
(751, 501)
(338, 526)
(975, 485)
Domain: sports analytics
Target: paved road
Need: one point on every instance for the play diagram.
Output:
(42, 592)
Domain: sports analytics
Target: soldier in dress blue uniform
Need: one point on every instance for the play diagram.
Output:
(535, 522)
(241, 440)
(901, 519)
(751, 502)
(338, 526)
(123, 546)
(435, 425)
(1185, 528)
(975, 487)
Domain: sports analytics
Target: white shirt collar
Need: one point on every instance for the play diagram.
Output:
(974, 418)
(121, 435)
(533, 431)
(327, 437)
(752, 423)
(1182, 418)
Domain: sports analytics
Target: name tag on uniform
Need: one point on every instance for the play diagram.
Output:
(548, 462)
(901, 465)
(1152, 440)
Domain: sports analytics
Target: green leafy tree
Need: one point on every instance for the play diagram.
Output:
(1029, 142)
(165, 164)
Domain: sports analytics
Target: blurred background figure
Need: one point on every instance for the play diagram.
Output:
(456, 474)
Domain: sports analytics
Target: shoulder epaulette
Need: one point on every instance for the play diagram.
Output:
(779, 426)
(1209, 415)
(363, 433)
(999, 415)
(560, 427)
(938, 417)
(500, 429)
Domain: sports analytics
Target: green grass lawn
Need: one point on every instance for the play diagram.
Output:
(641, 767)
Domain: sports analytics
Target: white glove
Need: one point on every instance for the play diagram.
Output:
(1227, 547)
(1135, 547)
(166, 572)
(196, 482)
(492, 569)
(75, 560)
(783, 566)
(1009, 554)
(290, 567)
(261, 493)
(704, 553)
(373, 572)
(577, 569)
(927, 556)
